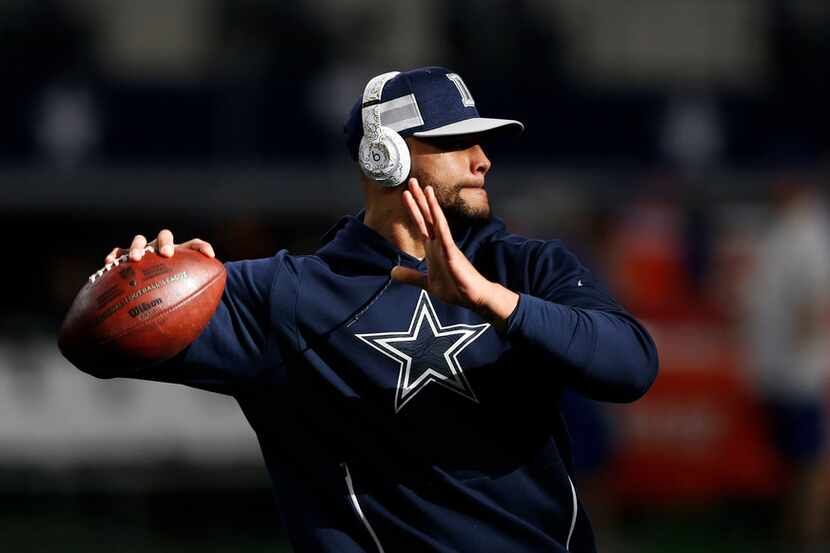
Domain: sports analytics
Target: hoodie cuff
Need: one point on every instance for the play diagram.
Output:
(541, 322)
(516, 318)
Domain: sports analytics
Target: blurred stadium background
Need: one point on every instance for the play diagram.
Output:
(656, 132)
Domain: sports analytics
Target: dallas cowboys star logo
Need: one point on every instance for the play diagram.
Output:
(427, 352)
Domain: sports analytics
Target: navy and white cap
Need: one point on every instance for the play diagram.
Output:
(425, 102)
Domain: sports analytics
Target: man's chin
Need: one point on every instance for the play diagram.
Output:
(467, 213)
(463, 205)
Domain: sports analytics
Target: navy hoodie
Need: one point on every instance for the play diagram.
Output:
(390, 421)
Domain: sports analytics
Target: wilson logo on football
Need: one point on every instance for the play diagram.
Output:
(144, 306)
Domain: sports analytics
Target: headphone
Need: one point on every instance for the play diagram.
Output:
(383, 155)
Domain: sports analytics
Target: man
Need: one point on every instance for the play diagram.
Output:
(404, 380)
(786, 322)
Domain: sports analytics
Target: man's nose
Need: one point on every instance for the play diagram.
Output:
(479, 162)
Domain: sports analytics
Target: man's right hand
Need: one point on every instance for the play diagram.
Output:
(163, 246)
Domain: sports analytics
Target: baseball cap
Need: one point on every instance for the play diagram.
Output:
(426, 102)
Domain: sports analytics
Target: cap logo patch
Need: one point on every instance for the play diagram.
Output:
(466, 97)
(401, 113)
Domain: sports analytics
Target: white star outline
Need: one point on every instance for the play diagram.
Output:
(424, 310)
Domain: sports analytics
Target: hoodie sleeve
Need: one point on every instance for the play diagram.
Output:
(566, 316)
(241, 344)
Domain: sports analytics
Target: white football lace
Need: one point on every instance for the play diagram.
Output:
(96, 275)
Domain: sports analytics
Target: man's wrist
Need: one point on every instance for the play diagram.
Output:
(498, 303)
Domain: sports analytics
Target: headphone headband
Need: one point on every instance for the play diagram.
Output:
(370, 113)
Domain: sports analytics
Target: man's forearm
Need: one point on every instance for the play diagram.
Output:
(609, 356)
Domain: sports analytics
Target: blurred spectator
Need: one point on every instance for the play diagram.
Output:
(692, 134)
(648, 259)
(66, 125)
(787, 310)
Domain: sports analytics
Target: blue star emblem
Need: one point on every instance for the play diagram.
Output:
(427, 352)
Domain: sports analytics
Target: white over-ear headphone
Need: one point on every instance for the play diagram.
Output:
(382, 155)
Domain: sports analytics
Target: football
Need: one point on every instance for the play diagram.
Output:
(131, 315)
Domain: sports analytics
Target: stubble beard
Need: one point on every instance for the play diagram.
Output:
(455, 207)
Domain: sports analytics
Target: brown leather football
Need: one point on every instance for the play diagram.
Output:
(132, 315)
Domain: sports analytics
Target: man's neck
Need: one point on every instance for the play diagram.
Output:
(397, 229)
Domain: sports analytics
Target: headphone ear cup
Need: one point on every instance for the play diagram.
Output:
(385, 159)
(404, 164)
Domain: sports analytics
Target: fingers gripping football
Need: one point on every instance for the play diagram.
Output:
(164, 245)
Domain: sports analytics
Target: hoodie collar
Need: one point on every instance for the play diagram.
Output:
(358, 249)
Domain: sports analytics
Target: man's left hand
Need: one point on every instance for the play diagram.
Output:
(450, 276)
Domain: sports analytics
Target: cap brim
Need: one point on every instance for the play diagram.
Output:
(472, 126)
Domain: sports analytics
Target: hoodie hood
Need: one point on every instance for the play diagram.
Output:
(354, 248)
